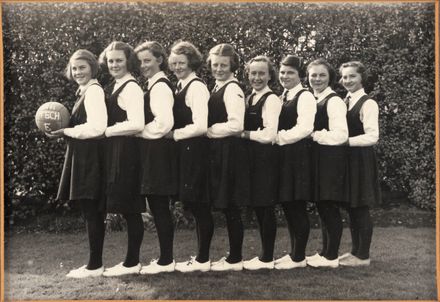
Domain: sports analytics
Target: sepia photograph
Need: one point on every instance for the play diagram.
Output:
(220, 150)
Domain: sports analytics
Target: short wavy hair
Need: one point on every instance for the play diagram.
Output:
(82, 54)
(225, 50)
(331, 71)
(273, 73)
(296, 63)
(195, 58)
(157, 50)
(360, 68)
(132, 60)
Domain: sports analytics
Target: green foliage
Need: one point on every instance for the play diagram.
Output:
(396, 42)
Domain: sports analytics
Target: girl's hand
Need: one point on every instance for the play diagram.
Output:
(209, 133)
(56, 133)
(246, 134)
(170, 135)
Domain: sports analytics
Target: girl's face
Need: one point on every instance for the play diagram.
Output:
(179, 64)
(319, 78)
(150, 65)
(351, 79)
(81, 71)
(259, 75)
(289, 77)
(221, 67)
(117, 63)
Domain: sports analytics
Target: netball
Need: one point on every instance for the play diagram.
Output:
(52, 116)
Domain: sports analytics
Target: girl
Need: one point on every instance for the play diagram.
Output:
(261, 125)
(125, 108)
(294, 129)
(158, 158)
(363, 128)
(82, 170)
(190, 126)
(329, 161)
(228, 169)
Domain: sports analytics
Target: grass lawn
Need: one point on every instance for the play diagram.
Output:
(402, 268)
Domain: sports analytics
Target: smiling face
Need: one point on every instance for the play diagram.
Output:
(81, 71)
(117, 63)
(319, 78)
(258, 75)
(221, 67)
(179, 64)
(289, 76)
(150, 65)
(351, 79)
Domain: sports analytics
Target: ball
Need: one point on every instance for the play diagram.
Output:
(52, 116)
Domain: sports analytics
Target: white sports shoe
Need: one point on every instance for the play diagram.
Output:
(120, 270)
(83, 272)
(323, 262)
(193, 265)
(288, 263)
(313, 257)
(223, 265)
(155, 268)
(256, 264)
(345, 256)
(354, 261)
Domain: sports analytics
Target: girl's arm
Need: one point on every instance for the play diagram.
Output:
(305, 121)
(337, 123)
(369, 116)
(235, 108)
(131, 99)
(94, 102)
(197, 97)
(161, 103)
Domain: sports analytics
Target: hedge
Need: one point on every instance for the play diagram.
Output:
(395, 40)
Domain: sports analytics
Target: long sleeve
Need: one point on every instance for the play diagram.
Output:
(270, 114)
(161, 103)
(131, 99)
(304, 125)
(235, 108)
(369, 116)
(94, 103)
(197, 97)
(338, 130)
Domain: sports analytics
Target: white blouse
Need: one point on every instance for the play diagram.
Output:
(306, 117)
(235, 108)
(337, 121)
(94, 103)
(369, 116)
(131, 99)
(161, 104)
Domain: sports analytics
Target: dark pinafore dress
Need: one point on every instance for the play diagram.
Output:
(263, 159)
(228, 162)
(363, 175)
(122, 185)
(192, 155)
(158, 157)
(329, 163)
(295, 159)
(83, 164)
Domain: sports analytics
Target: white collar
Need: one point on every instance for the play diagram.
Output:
(83, 88)
(220, 84)
(159, 75)
(124, 79)
(293, 91)
(323, 94)
(259, 94)
(188, 79)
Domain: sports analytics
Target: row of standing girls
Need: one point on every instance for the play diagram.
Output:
(220, 151)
